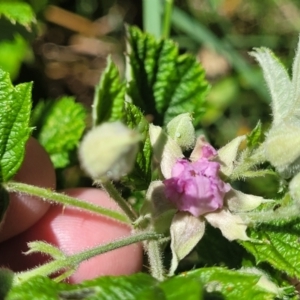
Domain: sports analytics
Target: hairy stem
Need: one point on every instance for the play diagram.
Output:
(72, 261)
(52, 196)
(155, 259)
(115, 195)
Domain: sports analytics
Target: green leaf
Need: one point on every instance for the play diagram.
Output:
(277, 244)
(163, 83)
(6, 281)
(140, 177)
(221, 283)
(12, 54)
(138, 286)
(15, 106)
(63, 125)
(178, 288)
(109, 96)
(17, 12)
(254, 138)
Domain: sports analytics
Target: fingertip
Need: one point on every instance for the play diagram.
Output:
(77, 231)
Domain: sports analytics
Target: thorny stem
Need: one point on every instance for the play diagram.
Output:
(47, 194)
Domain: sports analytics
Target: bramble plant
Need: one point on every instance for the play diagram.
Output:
(186, 192)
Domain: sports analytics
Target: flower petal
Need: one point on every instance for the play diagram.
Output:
(202, 149)
(231, 226)
(186, 232)
(196, 187)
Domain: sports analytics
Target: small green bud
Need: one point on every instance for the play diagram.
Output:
(108, 151)
(182, 131)
(282, 148)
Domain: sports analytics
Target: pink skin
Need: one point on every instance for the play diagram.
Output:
(24, 211)
(68, 228)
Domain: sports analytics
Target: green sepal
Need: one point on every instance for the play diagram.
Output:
(255, 137)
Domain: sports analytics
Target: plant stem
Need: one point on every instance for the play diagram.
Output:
(167, 18)
(152, 17)
(115, 195)
(50, 195)
(155, 260)
(73, 260)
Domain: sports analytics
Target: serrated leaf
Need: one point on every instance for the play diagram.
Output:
(227, 284)
(163, 83)
(254, 138)
(62, 128)
(109, 96)
(17, 12)
(140, 177)
(278, 82)
(138, 286)
(15, 106)
(277, 244)
(182, 288)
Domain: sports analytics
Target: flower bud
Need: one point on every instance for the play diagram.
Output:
(196, 187)
(282, 148)
(182, 131)
(108, 151)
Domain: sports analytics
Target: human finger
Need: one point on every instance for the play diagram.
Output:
(73, 231)
(24, 210)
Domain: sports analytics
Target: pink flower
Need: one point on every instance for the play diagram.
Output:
(195, 186)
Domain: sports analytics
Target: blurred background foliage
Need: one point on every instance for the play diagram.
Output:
(66, 52)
